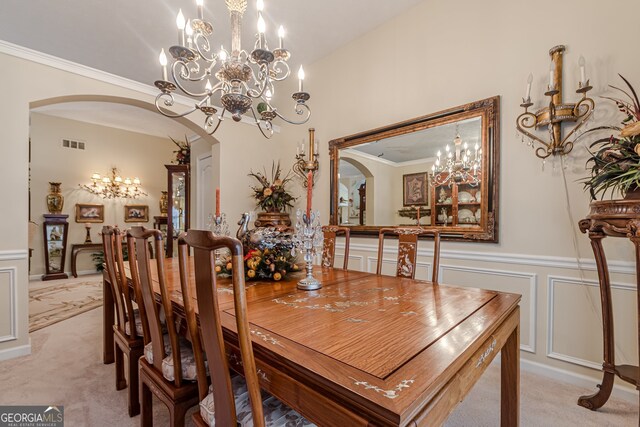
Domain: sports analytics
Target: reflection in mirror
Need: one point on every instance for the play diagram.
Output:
(439, 167)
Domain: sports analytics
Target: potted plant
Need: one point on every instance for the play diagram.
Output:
(615, 159)
(183, 153)
(272, 197)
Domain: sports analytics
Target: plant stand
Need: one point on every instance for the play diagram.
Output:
(614, 218)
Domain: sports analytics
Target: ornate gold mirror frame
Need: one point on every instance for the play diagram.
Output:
(484, 228)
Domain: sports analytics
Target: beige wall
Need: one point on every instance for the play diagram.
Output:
(35, 78)
(437, 55)
(442, 54)
(134, 154)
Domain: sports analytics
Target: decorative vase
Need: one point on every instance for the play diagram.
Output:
(164, 203)
(55, 200)
(273, 219)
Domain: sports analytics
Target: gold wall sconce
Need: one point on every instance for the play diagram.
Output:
(557, 112)
(304, 164)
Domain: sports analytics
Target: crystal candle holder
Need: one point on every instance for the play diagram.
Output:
(308, 240)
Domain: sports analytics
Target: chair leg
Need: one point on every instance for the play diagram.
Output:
(121, 381)
(134, 400)
(146, 405)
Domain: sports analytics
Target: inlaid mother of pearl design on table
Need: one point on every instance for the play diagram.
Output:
(371, 350)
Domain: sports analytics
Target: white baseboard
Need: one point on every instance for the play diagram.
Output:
(620, 388)
(80, 273)
(11, 353)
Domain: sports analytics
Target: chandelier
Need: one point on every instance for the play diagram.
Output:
(459, 165)
(230, 78)
(112, 187)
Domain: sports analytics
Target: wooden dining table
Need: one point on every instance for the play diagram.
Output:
(367, 349)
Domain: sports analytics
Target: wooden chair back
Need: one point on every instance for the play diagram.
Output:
(204, 243)
(141, 272)
(114, 260)
(408, 250)
(330, 233)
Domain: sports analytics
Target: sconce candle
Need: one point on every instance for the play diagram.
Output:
(529, 80)
(583, 78)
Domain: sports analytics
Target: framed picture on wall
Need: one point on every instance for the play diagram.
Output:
(415, 189)
(89, 213)
(136, 213)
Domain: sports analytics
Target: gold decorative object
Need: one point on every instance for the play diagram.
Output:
(557, 112)
(303, 164)
(164, 203)
(242, 76)
(55, 199)
(113, 187)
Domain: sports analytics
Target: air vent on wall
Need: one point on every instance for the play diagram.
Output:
(70, 143)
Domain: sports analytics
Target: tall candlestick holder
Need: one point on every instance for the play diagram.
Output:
(218, 224)
(308, 239)
(302, 165)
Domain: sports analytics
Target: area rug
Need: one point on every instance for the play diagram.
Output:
(55, 301)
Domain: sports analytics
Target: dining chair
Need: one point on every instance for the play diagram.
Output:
(231, 400)
(408, 250)
(128, 340)
(167, 369)
(330, 233)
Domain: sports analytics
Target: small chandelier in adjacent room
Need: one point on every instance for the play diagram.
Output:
(113, 187)
(459, 165)
(231, 78)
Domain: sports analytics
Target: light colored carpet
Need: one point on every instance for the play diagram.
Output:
(56, 300)
(66, 368)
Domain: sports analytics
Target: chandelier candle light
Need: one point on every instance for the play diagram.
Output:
(242, 76)
(461, 165)
(557, 112)
(114, 186)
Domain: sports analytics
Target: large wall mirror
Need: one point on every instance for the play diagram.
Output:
(442, 167)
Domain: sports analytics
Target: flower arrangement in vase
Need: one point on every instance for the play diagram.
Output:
(616, 159)
(272, 196)
(183, 153)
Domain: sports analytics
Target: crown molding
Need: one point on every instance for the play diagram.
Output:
(95, 74)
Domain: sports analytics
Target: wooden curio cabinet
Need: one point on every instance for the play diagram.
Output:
(456, 204)
(178, 188)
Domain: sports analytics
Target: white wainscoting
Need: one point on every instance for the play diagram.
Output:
(553, 282)
(532, 309)
(8, 277)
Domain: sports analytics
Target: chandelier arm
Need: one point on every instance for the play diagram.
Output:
(168, 102)
(205, 48)
(589, 105)
(186, 78)
(277, 71)
(299, 109)
(262, 83)
(268, 125)
(208, 122)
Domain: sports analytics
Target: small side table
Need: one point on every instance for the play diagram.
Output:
(76, 248)
(614, 218)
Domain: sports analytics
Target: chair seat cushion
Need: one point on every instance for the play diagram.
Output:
(276, 413)
(138, 323)
(188, 363)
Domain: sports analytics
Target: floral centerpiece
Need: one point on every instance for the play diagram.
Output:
(271, 194)
(616, 159)
(183, 153)
(267, 255)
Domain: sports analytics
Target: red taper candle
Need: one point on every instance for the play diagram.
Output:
(217, 202)
(309, 193)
